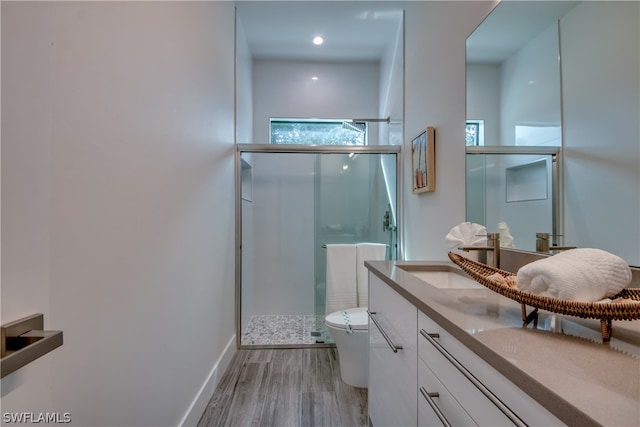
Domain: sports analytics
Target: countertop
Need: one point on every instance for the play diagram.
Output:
(561, 363)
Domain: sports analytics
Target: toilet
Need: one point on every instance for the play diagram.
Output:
(349, 329)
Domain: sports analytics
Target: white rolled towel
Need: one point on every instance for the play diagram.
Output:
(583, 274)
(366, 252)
(342, 291)
(467, 234)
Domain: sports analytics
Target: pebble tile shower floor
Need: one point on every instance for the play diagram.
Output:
(286, 329)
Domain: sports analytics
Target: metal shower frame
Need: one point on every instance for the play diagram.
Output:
(309, 149)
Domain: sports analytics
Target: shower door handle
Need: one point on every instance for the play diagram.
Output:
(386, 222)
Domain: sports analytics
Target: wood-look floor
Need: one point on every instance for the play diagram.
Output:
(285, 387)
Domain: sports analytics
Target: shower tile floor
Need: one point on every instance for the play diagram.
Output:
(286, 329)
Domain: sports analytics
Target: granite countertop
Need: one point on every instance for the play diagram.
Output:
(561, 363)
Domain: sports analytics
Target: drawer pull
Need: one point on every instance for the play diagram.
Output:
(429, 398)
(393, 346)
(484, 390)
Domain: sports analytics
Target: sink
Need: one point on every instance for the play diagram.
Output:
(447, 280)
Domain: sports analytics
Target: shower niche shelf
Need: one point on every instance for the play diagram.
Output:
(527, 181)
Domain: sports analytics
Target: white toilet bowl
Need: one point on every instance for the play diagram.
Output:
(349, 329)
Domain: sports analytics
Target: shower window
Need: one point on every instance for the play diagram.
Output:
(474, 132)
(317, 132)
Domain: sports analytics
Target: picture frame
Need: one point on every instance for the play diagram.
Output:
(423, 173)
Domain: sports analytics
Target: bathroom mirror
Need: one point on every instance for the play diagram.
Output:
(566, 75)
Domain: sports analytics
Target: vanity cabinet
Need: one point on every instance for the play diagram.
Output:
(392, 357)
(486, 397)
(421, 375)
(436, 405)
(446, 379)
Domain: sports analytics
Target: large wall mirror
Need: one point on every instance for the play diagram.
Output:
(553, 141)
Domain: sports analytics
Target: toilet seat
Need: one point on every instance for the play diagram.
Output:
(358, 319)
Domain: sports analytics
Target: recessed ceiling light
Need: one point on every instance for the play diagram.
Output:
(314, 78)
(317, 40)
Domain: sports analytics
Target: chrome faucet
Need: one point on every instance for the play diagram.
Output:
(542, 244)
(492, 249)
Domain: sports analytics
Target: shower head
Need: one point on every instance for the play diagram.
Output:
(356, 126)
(382, 120)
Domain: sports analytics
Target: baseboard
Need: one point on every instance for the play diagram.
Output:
(199, 404)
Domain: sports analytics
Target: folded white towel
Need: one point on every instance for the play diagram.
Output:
(467, 234)
(583, 274)
(341, 292)
(506, 239)
(367, 252)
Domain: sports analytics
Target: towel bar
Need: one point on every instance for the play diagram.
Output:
(23, 341)
(325, 246)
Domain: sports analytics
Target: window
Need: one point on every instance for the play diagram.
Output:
(474, 134)
(317, 132)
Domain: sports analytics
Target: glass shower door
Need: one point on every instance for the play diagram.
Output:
(293, 204)
(351, 204)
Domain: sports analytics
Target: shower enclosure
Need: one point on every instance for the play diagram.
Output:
(294, 200)
(517, 185)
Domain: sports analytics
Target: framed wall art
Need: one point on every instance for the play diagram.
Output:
(423, 173)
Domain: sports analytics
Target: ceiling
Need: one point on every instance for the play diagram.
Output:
(353, 31)
(510, 26)
(365, 30)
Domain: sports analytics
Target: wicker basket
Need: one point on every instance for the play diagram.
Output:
(605, 312)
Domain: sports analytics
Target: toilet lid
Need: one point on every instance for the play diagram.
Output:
(357, 317)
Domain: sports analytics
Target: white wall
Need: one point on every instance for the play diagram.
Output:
(117, 195)
(392, 89)
(244, 77)
(601, 95)
(392, 106)
(530, 92)
(285, 89)
(435, 96)
(483, 99)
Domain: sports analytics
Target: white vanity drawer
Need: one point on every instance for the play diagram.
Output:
(440, 409)
(477, 402)
(522, 409)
